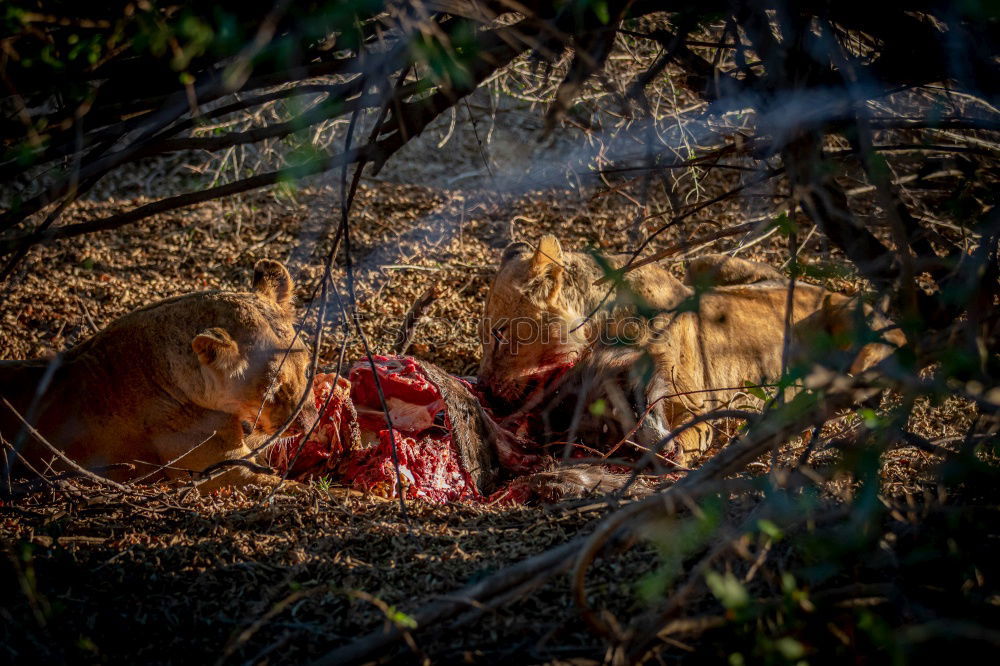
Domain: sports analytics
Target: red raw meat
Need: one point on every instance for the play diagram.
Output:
(413, 401)
(326, 442)
(429, 464)
(430, 457)
(429, 468)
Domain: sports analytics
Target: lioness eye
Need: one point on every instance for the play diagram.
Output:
(498, 334)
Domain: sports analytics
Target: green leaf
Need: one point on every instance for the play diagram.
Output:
(598, 407)
(86, 644)
(400, 619)
(784, 224)
(872, 420)
(755, 390)
(770, 529)
(676, 540)
(878, 166)
(602, 12)
(790, 648)
(727, 589)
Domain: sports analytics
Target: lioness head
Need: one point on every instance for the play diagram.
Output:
(253, 364)
(528, 329)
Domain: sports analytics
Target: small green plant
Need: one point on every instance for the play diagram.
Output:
(324, 484)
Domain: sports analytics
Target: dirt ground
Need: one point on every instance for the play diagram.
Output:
(163, 577)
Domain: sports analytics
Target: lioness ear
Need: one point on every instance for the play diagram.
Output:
(271, 280)
(215, 347)
(549, 254)
(547, 266)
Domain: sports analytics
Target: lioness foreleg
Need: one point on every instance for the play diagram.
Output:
(692, 442)
(184, 461)
(684, 448)
(238, 477)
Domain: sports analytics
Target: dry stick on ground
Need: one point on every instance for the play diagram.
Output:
(9, 487)
(168, 465)
(404, 336)
(216, 468)
(94, 328)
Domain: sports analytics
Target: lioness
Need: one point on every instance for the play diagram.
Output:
(178, 383)
(648, 344)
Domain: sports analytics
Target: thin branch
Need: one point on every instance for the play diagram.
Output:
(87, 474)
(309, 168)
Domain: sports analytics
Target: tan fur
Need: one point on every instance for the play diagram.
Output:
(183, 378)
(718, 270)
(830, 336)
(539, 296)
(691, 350)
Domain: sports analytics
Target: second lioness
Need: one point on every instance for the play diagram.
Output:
(655, 343)
(176, 386)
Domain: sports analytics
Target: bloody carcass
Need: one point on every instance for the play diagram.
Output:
(448, 446)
